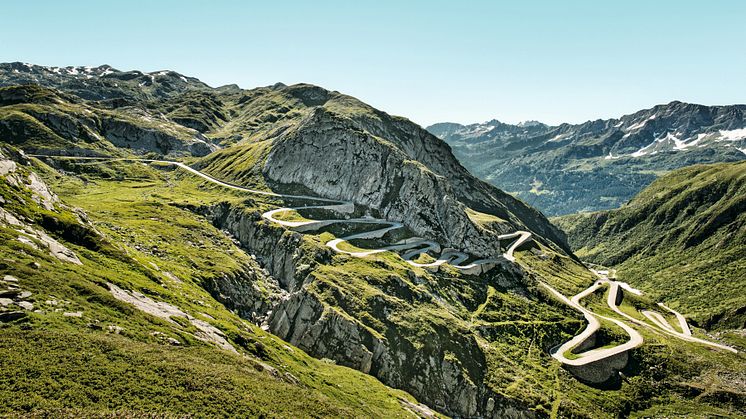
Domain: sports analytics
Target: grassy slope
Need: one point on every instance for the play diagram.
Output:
(515, 330)
(39, 119)
(512, 329)
(512, 325)
(682, 239)
(83, 365)
(702, 380)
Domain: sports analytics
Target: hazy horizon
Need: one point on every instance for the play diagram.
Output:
(427, 61)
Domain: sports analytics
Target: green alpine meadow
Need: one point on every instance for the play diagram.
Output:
(176, 242)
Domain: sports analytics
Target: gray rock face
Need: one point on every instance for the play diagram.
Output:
(275, 248)
(299, 317)
(416, 182)
(88, 130)
(140, 139)
(440, 383)
(239, 291)
(303, 321)
(41, 194)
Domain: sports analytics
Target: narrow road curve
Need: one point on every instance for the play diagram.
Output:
(414, 247)
(680, 318)
(584, 358)
(660, 324)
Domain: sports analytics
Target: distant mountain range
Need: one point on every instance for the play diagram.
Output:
(103, 82)
(598, 164)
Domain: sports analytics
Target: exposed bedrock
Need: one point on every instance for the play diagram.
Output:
(447, 373)
(93, 126)
(333, 158)
(239, 291)
(135, 137)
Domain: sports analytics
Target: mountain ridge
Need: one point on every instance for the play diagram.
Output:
(214, 247)
(236, 117)
(555, 163)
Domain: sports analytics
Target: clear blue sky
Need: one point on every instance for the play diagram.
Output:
(463, 61)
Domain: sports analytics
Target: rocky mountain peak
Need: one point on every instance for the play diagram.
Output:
(531, 123)
(309, 94)
(619, 153)
(101, 82)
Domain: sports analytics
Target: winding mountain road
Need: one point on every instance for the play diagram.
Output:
(414, 246)
(594, 324)
(616, 288)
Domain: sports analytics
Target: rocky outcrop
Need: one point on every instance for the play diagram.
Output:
(303, 321)
(276, 249)
(142, 139)
(333, 157)
(58, 124)
(38, 192)
(438, 379)
(204, 331)
(401, 189)
(239, 291)
(120, 132)
(446, 374)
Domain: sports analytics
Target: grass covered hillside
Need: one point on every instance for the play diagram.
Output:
(142, 283)
(682, 239)
(170, 304)
(108, 311)
(42, 120)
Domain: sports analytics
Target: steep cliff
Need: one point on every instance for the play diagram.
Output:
(337, 147)
(383, 318)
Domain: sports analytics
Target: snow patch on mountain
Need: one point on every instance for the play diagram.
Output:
(643, 151)
(560, 137)
(481, 129)
(612, 157)
(733, 135)
(640, 124)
